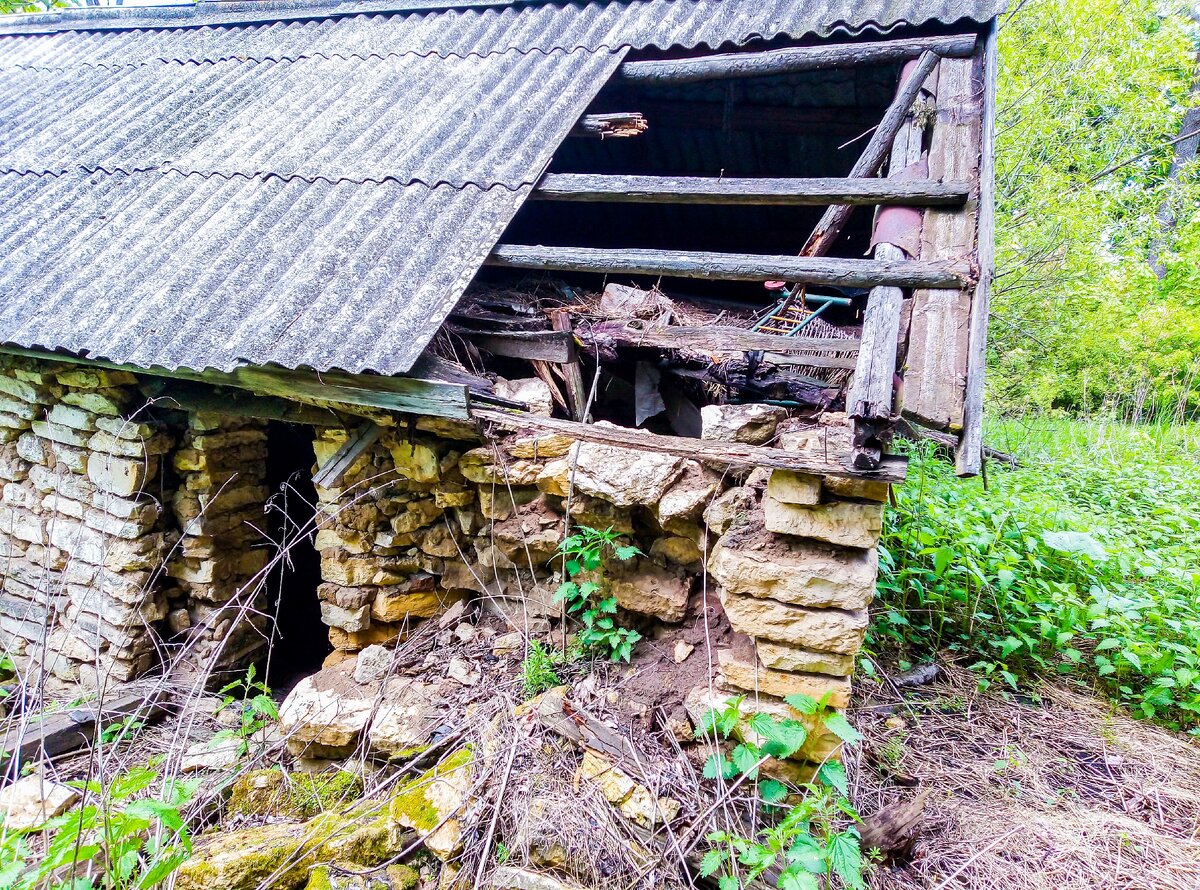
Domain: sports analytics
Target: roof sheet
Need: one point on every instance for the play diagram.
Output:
(306, 184)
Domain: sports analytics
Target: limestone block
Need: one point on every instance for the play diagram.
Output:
(749, 675)
(140, 509)
(794, 488)
(793, 658)
(409, 713)
(77, 488)
(32, 449)
(94, 378)
(827, 630)
(355, 571)
(121, 528)
(13, 424)
(16, 494)
(120, 476)
(12, 467)
(415, 460)
(99, 549)
(635, 801)
(439, 540)
(73, 417)
(124, 428)
(538, 446)
(345, 597)
(751, 424)
(533, 391)
(678, 550)
(18, 409)
(57, 433)
(391, 607)
(728, 508)
(555, 478)
(624, 476)
(832, 433)
(342, 538)
(498, 502)
(478, 465)
(375, 635)
(33, 800)
(26, 392)
(652, 590)
(107, 443)
(416, 514)
(839, 522)
(326, 714)
(108, 402)
(74, 460)
(23, 525)
(230, 439)
(56, 503)
(857, 489)
(749, 560)
(450, 494)
(686, 499)
(347, 619)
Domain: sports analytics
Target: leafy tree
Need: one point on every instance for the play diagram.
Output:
(1091, 98)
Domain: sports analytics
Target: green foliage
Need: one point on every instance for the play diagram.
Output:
(584, 592)
(116, 733)
(10, 6)
(1082, 320)
(256, 709)
(537, 670)
(816, 836)
(120, 838)
(1081, 563)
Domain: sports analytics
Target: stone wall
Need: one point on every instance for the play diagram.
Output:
(81, 531)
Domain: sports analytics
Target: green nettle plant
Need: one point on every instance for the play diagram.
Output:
(816, 836)
(584, 592)
(119, 839)
(256, 708)
(537, 670)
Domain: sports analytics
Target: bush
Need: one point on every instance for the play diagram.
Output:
(1083, 562)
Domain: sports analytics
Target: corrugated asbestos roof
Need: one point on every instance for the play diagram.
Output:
(306, 185)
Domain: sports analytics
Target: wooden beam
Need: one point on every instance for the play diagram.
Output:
(618, 125)
(406, 394)
(721, 454)
(730, 266)
(868, 163)
(711, 190)
(969, 461)
(546, 346)
(335, 469)
(778, 119)
(791, 60)
(560, 319)
(711, 338)
(183, 395)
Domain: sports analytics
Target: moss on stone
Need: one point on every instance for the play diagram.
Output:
(411, 805)
(402, 877)
(268, 792)
(318, 879)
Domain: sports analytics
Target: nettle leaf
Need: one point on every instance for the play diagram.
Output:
(772, 792)
(845, 858)
(805, 704)
(624, 553)
(728, 882)
(840, 727)
(796, 879)
(573, 567)
(833, 774)
(745, 758)
(716, 766)
(712, 862)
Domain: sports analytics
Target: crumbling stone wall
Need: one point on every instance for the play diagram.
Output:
(80, 533)
(421, 521)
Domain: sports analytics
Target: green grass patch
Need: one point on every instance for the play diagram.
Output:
(1085, 561)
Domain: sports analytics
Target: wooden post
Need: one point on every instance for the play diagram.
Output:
(560, 320)
(969, 460)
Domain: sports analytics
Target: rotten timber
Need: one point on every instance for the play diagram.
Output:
(791, 60)
(969, 460)
(750, 191)
(831, 462)
(182, 395)
(716, 339)
(335, 469)
(731, 266)
(545, 346)
(868, 163)
(618, 125)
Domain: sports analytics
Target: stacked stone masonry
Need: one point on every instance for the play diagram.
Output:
(101, 582)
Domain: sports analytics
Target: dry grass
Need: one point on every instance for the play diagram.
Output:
(1060, 792)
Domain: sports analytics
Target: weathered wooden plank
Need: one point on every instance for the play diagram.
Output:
(868, 163)
(791, 59)
(731, 266)
(969, 460)
(936, 366)
(619, 125)
(392, 393)
(560, 319)
(721, 454)
(331, 475)
(546, 346)
(713, 190)
(869, 401)
(779, 120)
(188, 396)
(714, 338)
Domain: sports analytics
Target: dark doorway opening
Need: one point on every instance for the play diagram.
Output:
(300, 641)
